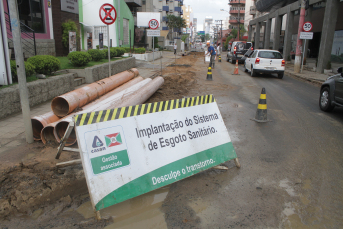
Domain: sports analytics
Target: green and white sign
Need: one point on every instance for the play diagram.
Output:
(133, 150)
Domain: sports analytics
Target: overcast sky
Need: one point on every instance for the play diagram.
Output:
(203, 8)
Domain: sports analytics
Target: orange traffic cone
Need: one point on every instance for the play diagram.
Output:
(236, 69)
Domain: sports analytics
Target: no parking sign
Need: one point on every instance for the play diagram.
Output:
(107, 14)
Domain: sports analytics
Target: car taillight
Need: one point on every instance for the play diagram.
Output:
(283, 63)
(257, 61)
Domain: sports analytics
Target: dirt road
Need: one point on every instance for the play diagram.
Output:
(290, 177)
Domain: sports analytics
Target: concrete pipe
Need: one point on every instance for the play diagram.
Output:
(41, 121)
(104, 104)
(47, 133)
(144, 93)
(65, 104)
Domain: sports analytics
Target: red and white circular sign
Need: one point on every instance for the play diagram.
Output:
(153, 24)
(307, 27)
(107, 14)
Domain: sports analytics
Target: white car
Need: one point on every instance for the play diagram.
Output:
(265, 61)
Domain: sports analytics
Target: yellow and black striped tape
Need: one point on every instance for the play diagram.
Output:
(124, 112)
(262, 104)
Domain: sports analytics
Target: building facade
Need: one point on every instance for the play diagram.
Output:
(237, 13)
(281, 30)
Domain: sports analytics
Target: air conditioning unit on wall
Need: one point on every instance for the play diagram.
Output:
(160, 10)
(171, 11)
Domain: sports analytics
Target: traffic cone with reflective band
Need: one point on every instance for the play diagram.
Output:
(209, 74)
(220, 59)
(261, 113)
(236, 69)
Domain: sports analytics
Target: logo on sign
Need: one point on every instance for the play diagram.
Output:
(97, 145)
(113, 140)
(153, 24)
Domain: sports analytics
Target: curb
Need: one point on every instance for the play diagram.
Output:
(315, 81)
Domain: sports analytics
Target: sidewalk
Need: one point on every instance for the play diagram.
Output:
(12, 128)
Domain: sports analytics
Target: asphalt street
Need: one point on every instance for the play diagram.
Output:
(291, 174)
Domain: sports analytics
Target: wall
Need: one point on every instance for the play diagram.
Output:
(89, 15)
(124, 13)
(59, 17)
(39, 91)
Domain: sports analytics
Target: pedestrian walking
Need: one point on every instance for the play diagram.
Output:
(175, 47)
(218, 50)
(212, 53)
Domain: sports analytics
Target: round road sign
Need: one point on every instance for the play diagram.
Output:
(307, 27)
(107, 14)
(153, 24)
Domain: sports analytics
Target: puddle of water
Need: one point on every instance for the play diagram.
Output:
(140, 212)
(284, 184)
(198, 205)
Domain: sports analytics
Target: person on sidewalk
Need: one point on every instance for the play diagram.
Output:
(218, 50)
(211, 52)
(175, 47)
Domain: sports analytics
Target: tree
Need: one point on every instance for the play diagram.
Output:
(207, 37)
(176, 22)
(242, 31)
(184, 37)
(202, 37)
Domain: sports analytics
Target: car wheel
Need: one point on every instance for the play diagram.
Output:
(280, 75)
(325, 100)
(227, 59)
(252, 73)
(232, 61)
(245, 68)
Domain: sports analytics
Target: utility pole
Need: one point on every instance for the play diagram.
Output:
(221, 32)
(297, 62)
(19, 58)
(239, 19)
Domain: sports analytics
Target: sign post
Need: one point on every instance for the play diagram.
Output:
(129, 151)
(153, 24)
(108, 16)
(307, 35)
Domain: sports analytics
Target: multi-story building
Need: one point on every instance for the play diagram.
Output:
(226, 23)
(164, 7)
(237, 13)
(188, 15)
(208, 23)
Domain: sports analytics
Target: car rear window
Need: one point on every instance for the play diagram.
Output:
(247, 45)
(270, 55)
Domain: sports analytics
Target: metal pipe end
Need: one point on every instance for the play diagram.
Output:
(37, 128)
(47, 135)
(60, 130)
(60, 106)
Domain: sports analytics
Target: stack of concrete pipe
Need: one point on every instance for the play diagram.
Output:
(123, 89)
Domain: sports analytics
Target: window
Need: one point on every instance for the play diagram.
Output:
(100, 29)
(270, 55)
(126, 37)
(31, 14)
(254, 54)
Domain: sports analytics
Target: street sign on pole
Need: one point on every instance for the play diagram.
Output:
(307, 27)
(153, 33)
(108, 16)
(306, 35)
(153, 24)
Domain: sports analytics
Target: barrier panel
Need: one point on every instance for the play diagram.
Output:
(129, 151)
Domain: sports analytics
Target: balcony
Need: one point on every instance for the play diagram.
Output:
(134, 3)
(235, 21)
(236, 11)
(181, 13)
(181, 3)
(165, 8)
(165, 28)
(252, 10)
(165, 19)
(231, 2)
(177, 9)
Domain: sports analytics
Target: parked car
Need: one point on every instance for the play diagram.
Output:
(265, 61)
(237, 50)
(331, 92)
